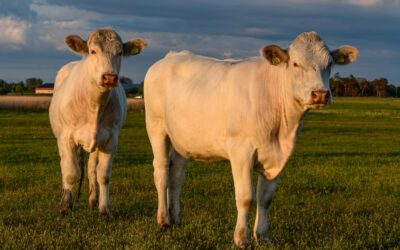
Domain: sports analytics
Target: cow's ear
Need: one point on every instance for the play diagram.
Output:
(344, 55)
(134, 47)
(77, 44)
(274, 54)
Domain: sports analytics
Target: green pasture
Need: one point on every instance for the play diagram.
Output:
(340, 189)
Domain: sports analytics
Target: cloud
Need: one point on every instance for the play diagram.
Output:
(13, 31)
(54, 22)
(374, 3)
(17, 8)
(365, 3)
(222, 29)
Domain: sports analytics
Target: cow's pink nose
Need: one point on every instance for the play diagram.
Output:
(319, 97)
(109, 79)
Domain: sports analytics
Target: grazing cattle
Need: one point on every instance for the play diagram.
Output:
(87, 111)
(249, 112)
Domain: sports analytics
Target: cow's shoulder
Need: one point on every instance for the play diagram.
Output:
(63, 73)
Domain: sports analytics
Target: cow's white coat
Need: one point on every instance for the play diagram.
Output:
(248, 111)
(85, 113)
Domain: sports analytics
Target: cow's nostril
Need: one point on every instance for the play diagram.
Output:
(109, 79)
(319, 96)
(314, 95)
(104, 78)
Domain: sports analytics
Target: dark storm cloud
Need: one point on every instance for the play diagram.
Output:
(238, 18)
(223, 28)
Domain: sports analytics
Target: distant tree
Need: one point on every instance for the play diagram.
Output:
(32, 83)
(4, 87)
(20, 88)
(140, 90)
(392, 90)
(380, 87)
(336, 85)
(124, 79)
(358, 86)
(364, 87)
(351, 87)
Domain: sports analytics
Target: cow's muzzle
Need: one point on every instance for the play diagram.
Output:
(109, 80)
(319, 97)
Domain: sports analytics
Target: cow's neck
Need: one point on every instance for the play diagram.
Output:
(292, 113)
(280, 125)
(96, 104)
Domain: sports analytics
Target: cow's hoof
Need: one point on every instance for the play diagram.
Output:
(261, 239)
(66, 202)
(105, 216)
(65, 212)
(240, 239)
(175, 221)
(163, 222)
(105, 213)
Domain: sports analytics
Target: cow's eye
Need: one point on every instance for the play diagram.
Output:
(93, 52)
(295, 65)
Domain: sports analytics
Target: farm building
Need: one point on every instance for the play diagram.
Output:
(46, 88)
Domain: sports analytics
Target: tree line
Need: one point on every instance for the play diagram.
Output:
(340, 86)
(27, 86)
(358, 86)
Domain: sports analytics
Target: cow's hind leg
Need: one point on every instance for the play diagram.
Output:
(176, 176)
(241, 158)
(265, 193)
(92, 164)
(69, 171)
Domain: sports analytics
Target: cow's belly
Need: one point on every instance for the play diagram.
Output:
(201, 150)
(196, 141)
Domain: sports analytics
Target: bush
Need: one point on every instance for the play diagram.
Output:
(3, 91)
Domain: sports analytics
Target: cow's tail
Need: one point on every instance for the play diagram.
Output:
(82, 155)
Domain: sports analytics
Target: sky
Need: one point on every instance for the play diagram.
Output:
(32, 31)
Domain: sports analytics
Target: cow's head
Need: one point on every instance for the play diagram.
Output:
(308, 64)
(103, 52)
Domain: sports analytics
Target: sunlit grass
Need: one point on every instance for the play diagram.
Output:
(340, 190)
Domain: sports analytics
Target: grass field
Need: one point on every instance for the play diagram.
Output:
(41, 102)
(340, 189)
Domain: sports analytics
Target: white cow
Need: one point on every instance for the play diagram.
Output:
(249, 112)
(88, 109)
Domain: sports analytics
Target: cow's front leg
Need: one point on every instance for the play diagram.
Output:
(265, 192)
(241, 158)
(103, 179)
(176, 176)
(92, 164)
(69, 171)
